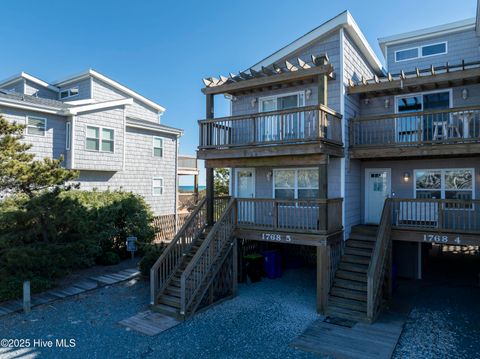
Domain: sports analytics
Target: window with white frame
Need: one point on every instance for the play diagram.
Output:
(301, 183)
(71, 92)
(158, 147)
(157, 186)
(100, 139)
(452, 183)
(421, 51)
(68, 135)
(36, 126)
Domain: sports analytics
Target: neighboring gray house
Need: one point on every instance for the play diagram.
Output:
(334, 155)
(108, 132)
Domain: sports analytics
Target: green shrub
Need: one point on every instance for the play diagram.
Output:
(47, 236)
(108, 259)
(152, 253)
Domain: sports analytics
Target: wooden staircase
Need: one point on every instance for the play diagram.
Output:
(348, 294)
(199, 260)
(168, 301)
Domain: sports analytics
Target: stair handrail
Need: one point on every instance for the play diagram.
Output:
(377, 266)
(170, 259)
(200, 266)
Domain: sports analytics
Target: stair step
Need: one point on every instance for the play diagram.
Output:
(355, 259)
(363, 237)
(345, 274)
(173, 291)
(169, 300)
(358, 251)
(350, 284)
(347, 304)
(349, 293)
(353, 267)
(354, 243)
(365, 230)
(167, 310)
(346, 314)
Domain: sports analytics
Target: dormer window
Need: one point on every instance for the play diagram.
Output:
(421, 51)
(71, 92)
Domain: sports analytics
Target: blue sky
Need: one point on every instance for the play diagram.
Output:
(162, 49)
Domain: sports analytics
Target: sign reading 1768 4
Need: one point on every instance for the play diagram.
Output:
(441, 239)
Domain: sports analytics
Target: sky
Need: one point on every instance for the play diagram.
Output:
(162, 49)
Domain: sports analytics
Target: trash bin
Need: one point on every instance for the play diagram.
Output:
(272, 264)
(254, 267)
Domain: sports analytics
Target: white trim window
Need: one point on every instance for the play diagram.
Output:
(450, 183)
(439, 48)
(68, 135)
(295, 183)
(157, 147)
(36, 126)
(157, 186)
(100, 139)
(71, 92)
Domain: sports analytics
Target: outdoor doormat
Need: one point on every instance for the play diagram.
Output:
(340, 321)
(149, 323)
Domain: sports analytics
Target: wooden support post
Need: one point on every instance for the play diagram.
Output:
(195, 188)
(323, 277)
(235, 267)
(210, 194)
(26, 297)
(323, 194)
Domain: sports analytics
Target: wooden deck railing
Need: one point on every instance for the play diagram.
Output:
(306, 216)
(378, 264)
(311, 123)
(460, 216)
(201, 270)
(171, 258)
(454, 125)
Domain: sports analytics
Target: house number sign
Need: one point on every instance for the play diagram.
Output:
(441, 239)
(274, 237)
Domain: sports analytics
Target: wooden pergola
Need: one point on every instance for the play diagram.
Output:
(431, 78)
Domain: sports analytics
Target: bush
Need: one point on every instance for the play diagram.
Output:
(47, 236)
(152, 253)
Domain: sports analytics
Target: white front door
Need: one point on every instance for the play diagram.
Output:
(377, 189)
(245, 182)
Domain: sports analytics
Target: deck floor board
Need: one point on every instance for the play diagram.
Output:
(362, 341)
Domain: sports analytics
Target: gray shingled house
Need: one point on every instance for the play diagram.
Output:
(110, 133)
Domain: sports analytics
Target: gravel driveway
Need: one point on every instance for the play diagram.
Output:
(260, 322)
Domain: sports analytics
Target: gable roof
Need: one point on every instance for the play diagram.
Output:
(114, 84)
(24, 76)
(343, 20)
(450, 28)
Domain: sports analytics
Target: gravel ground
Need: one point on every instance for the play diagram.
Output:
(260, 322)
(445, 317)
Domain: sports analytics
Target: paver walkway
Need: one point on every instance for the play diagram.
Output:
(81, 286)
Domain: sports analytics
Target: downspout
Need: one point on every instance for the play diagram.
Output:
(72, 142)
(124, 136)
(176, 182)
(342, 111)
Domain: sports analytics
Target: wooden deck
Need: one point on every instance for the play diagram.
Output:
(361, 341)
(149, 323)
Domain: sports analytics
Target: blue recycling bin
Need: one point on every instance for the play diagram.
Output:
(272, 264)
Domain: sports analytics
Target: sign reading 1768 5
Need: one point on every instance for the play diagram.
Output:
(441, 239)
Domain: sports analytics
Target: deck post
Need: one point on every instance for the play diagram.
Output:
(235, 267)
(323, 194)
(195, 188)
(209, 196)
(323, 277)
